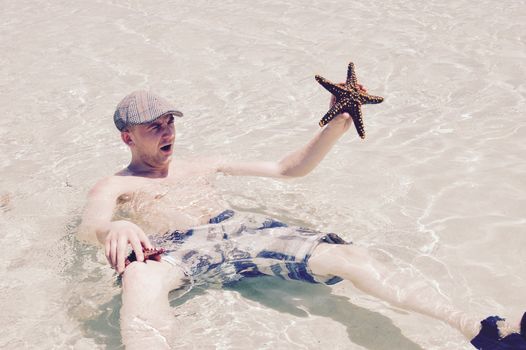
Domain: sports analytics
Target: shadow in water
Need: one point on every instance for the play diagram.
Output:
(85, 276)
(104, 328)
(366, 328)
(369, 329)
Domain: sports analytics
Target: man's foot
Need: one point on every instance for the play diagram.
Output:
(489, 337)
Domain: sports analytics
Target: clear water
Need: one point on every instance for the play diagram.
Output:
(437, 186)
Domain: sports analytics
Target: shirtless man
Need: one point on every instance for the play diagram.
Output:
(151, 195)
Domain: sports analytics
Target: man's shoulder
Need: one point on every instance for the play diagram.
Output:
(112, 185)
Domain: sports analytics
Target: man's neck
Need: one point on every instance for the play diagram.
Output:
(147, 170)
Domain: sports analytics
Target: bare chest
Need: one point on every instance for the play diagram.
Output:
(162, 206)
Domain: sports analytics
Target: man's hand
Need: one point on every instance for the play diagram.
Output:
(343, 120)
(121, 234)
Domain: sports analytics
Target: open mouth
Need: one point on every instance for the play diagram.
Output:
(166, 148)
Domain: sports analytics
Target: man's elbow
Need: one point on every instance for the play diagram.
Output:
(287, 172)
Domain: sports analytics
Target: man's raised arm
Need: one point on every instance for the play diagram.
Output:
(298, 163)
(97, 225)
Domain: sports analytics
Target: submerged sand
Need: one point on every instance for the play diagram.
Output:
(438, 185)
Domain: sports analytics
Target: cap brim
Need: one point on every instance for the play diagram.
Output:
(175, 112)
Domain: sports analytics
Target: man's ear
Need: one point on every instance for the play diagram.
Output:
(126, 137)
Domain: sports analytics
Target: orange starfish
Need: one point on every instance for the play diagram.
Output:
(149, 254)
(349, 98)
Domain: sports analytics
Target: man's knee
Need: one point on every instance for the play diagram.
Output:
(324, 258)
(141, 276)
(330, 258)
(348, 252)
(152, 276)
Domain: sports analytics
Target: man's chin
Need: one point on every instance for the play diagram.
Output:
(166, 158)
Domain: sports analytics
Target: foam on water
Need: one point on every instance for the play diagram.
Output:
(438, 185)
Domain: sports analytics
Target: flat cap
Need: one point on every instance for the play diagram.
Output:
(141, 107)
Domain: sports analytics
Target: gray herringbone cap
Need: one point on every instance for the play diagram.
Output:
(141, 107)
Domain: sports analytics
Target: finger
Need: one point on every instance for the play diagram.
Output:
(121, 254)
(107, 251)
(113, 253)
(137, 248)
(333, 101)
(145, 240)
(345, 115)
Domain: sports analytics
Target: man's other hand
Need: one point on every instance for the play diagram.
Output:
(121, 234)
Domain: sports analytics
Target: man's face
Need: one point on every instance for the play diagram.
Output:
(152, 142)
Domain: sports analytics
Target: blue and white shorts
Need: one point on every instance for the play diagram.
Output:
(235, 245)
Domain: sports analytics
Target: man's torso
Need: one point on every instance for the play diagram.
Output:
(184, 199)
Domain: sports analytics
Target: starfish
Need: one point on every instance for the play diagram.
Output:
(149, 254)
(349, 98)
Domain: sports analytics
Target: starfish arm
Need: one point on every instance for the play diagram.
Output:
(333, 112)
(356, 114)
(332, 88)
(351, 76)
(370, 99)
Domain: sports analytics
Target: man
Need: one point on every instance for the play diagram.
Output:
(152, 196)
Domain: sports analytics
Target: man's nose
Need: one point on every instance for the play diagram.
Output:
(168, 131)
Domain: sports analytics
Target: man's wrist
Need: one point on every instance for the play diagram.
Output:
(335, 127)
(102, 232)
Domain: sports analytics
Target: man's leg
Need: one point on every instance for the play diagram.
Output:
(399, 288)
(146, 317)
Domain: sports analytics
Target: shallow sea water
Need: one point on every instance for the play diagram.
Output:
(437, 186)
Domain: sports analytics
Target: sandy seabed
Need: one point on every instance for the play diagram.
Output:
(437, 186)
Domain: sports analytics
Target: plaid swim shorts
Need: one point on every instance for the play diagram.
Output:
(235, 245)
